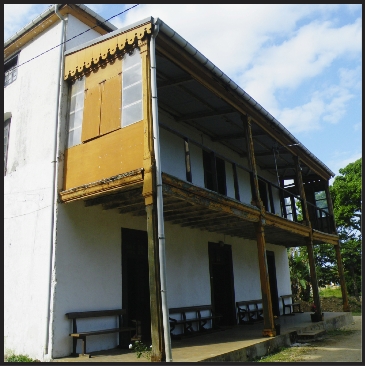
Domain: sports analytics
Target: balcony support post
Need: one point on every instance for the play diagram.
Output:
(269, 324)
(345, 301)
(149, 193)
(256, 201)
(332, 227)
(313, 273)
(299, 181)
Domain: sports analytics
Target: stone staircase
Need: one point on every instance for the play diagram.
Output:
(310, 335)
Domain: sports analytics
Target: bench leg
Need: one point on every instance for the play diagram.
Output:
(83, 345)
(74, 344)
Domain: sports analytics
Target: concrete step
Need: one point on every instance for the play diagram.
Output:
(310, 335)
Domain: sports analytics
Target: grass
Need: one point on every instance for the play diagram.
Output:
(20, 358)
(330, 292)
(285, 354)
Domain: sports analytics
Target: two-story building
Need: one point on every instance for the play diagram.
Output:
(139, 176)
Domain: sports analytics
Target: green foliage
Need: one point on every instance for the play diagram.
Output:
(330, 292)
(346, 198)
(299, 273)
(141, 350)
(20, 358)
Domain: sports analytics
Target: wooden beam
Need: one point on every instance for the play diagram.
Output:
(172, 82)
(269, 324)
(199, 115)
(233, 136)
(313, 274)
(252, 163)
(158, 349)
(345, 301)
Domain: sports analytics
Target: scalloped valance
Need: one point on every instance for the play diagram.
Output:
(82, 61)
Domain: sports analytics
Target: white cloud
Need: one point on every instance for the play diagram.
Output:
(16, 16)
(342, 159)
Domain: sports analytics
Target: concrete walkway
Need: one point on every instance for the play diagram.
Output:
(237, 343)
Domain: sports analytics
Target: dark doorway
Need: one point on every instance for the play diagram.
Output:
(135, 279)
(221, 281)
(270, 257)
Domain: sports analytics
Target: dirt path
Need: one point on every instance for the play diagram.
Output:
(343, 345)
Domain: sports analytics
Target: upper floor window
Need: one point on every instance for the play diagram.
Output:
(132, 88)
(214, 173)
(6, 142)
(321, 202)
(106, 99)
(10, 70)
(76, 112)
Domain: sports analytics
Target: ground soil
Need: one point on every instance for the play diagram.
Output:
(333, 304)
(340, 345)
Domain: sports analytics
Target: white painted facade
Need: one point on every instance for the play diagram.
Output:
(88, 269)
(31, 100)
(173, 160)
(84, 256)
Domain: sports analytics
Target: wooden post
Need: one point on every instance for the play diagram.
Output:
(345, 302)
(269, 324)
(149, 194)
(313, 274)
(158, 349)
(256, 201)
(332, 227)
(299, 180)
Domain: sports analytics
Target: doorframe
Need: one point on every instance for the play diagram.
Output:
(273, 282)
(211, 247)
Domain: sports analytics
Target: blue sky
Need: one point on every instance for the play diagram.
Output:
(302, 63)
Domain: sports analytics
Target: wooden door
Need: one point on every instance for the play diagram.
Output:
(270, 257)
(221, 282)
(135, 279)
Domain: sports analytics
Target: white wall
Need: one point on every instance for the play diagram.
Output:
(88, 267)
(75, 27)
(32, 101)
(173, 160)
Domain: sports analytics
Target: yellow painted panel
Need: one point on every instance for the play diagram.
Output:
(115, 153)
(91, 116)
(111, 104)
(102, 73)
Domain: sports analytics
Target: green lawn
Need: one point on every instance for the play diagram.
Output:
(330, 292)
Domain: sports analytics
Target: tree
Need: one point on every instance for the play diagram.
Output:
(346, 197)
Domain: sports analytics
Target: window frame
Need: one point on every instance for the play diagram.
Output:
(7, 124)
(11, 69)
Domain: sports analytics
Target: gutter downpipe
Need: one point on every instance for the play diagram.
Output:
(55, 175)
(159, 199)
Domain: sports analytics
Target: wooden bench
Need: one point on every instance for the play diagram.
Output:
(187, 316)
(290, 305)
(249, 311)
(93, 314)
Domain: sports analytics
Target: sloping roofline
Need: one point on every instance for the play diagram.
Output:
(180, 41)
(174, 36)
(102, 24)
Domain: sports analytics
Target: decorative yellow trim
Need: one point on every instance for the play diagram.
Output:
(83, 61)
(112, 184)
